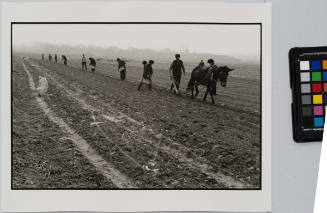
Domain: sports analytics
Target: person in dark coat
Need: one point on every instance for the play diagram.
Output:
(147, 74)
(42, 56)
(212, 67)
(84, 62)
(50, 57)
(64, 58)
(92, 64)
(56, 58)
(121, 68)
(175, 70)
(144, 67)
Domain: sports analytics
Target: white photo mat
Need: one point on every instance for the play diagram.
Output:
(134, 200)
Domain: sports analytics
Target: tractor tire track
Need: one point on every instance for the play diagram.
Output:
(119, 179)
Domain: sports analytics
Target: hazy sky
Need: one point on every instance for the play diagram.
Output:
(216, 39)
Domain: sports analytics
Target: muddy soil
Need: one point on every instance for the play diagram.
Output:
(157, 139)
(41, 157)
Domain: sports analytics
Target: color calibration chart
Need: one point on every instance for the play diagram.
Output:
(313, 91)
(308, 76)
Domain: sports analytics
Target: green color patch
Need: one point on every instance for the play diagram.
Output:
(316, 76)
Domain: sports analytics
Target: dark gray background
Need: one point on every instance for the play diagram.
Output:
(294, 166)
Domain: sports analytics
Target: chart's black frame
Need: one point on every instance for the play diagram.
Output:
(144, 23)
(299, 135)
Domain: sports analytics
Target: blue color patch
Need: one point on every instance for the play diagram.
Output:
(325, 76)
(315, 65)
(318, 122)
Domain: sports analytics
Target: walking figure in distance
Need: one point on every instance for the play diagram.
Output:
(175, 72)
(56, 58)
(92, 64)
(42, 56)
(121, 68)
(147, 74)
(84, 62)
(64, 58)
(50, 57)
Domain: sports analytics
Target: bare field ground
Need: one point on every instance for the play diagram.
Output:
(152, 139)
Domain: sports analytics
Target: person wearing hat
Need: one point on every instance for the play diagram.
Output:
(121, 68)
(211, 69)
(176, 69)
(147, 74)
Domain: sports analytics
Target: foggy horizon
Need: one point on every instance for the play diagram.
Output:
(231, 40)
(21, 47)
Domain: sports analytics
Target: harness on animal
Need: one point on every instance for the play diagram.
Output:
(197, 83)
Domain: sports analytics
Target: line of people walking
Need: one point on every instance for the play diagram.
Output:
(63, 58)
(176, 69)
(175, 73)
(121, 66)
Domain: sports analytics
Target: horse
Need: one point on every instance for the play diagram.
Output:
(202, 76)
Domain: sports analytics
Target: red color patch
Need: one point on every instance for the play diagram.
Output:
(317, 87)
(325, 87)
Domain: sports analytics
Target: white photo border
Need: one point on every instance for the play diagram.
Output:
(139, 200)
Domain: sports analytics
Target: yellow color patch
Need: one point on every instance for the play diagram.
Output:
(317, 99)
(324, 64)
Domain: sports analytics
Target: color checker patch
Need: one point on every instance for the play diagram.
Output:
(324, 76)
(318, 110)
(307, 111)
(306, 99)
(324, 64)
(316, 76)
(316, 88)
(316, 65)
(306, 88)
(304, 65)
(317, 99)
(318, 122)
(305, 76)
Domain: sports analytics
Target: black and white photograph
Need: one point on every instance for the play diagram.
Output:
(120, 106)
(136, 106)
(163, 105)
